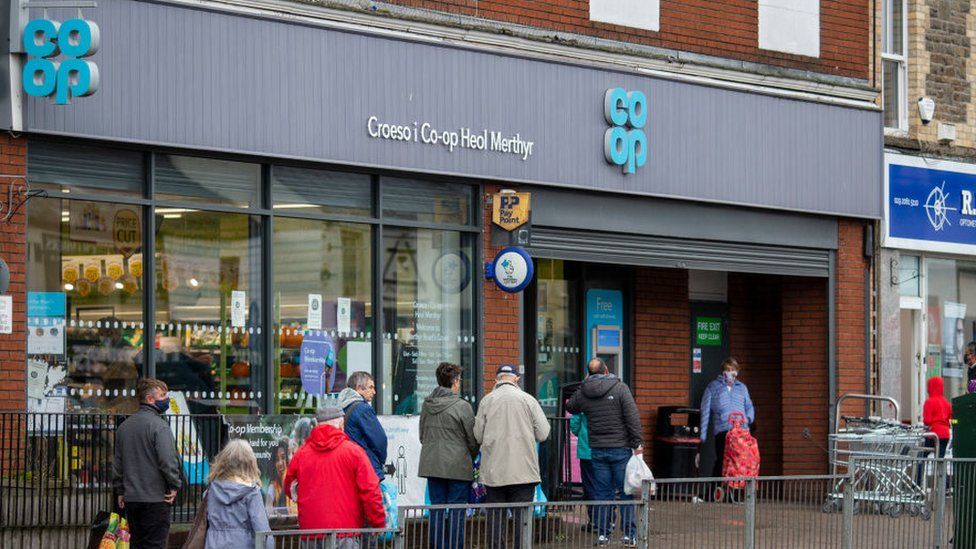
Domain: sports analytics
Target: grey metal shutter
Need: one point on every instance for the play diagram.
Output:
(653, 251)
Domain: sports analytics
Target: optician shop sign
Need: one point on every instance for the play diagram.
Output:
(458, 139)
(930, 204)
(70, 76)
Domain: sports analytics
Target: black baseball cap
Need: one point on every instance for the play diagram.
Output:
(507, 369)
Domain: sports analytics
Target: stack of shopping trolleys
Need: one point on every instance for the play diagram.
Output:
(883, 460)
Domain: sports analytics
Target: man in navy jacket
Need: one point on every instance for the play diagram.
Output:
(362, 425)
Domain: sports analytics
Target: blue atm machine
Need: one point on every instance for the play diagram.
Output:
(607, 343)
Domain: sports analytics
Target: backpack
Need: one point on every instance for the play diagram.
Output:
(741, 452)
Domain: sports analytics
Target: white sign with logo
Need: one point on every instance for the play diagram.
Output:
(238, 309)
(511, 270)
(314, 311)
(343, 314)
(6, 314)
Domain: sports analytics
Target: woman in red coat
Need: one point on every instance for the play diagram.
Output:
(936, 414)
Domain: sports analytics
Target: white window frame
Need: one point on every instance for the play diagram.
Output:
(900, 59)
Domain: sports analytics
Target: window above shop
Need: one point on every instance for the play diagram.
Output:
(65, 167)
(303, 190)
(427, 201)
(206, 180)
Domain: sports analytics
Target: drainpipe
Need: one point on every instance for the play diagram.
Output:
(831, 340)
(869, 256)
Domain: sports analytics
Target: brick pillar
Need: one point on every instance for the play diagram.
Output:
(804, 375)
(850, 329)
(755, 314)
(13, 250)
(661, 344)
(501, 310)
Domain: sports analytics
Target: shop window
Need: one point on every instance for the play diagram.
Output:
(950, 321)
(208, 309)
(428, 313)
(426, 201)
(318, 191)
(557, 348)
(207, 181)
(60, 168)
(322, 289)
(84, 312)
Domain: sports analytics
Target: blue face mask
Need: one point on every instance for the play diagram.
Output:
(729, 377)
(161, 405)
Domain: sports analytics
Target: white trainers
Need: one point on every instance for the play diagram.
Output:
(602, 541)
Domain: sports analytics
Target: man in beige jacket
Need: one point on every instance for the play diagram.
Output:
(509, 426)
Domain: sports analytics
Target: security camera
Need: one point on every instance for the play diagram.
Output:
(926, 109)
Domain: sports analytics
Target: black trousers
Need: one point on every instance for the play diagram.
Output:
(513, 493)
(148, 524)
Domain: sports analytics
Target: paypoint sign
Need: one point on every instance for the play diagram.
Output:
(511, 210)
(625, 143)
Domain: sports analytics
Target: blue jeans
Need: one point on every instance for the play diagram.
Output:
(609, 466)
(443, 491)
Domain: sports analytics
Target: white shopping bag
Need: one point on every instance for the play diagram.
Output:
(635, 475)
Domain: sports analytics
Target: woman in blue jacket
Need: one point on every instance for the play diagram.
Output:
(724, 395)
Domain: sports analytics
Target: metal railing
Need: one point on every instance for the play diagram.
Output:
(56, 469)
(879, 508)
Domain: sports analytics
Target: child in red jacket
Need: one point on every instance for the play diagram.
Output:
(936, 414)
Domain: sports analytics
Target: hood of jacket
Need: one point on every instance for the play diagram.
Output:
(936, 387)
(325, 438)
(228, 492)
(440, 399)
(599, 385)
(348, 396)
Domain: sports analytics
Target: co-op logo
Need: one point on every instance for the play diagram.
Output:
(73, 76)
(625, 143)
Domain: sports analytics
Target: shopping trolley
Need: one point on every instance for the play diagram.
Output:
(880, 458)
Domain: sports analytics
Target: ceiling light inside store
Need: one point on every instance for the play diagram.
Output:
(118, 286)
(66, 191)
(173, 210)
(293, 206)
(68, 287)
(193, 282)
(172, 216)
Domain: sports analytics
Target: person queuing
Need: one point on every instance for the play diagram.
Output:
(362, 425)
(235, 508)
(937, 415)
(333, 481)
(447, 454)
(509, 426)
(614, 430)
(577, 426)
(724, 395)
(970, 359)
(146, 467)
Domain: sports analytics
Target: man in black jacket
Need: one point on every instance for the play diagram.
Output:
(615, 435)
(146, 469)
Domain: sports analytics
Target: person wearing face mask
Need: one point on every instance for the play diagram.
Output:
(146, 467)
(724, 395)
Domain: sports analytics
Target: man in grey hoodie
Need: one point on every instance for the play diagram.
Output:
(146, 469)
(362, 425)
(447, 436)
(615, 435)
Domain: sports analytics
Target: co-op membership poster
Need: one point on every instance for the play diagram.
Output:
(276, 438)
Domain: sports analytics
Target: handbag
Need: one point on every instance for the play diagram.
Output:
(197, 538)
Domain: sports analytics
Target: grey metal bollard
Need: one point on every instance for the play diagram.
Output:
(527, 524)
(848, 538)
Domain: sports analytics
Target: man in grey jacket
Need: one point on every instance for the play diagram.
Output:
(615, 435)
(146, 468)
(509, 426)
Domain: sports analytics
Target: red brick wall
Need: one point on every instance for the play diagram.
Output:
(851, 266)
(756, 342)
(804, 374)
(661, 343)
(727, 29)
(13, 250)
(501, 311)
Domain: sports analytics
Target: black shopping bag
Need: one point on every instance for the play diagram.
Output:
(98, 528)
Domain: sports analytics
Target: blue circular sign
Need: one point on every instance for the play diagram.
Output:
(512, 269)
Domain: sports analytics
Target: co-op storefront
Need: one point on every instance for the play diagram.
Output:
(218, 204)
